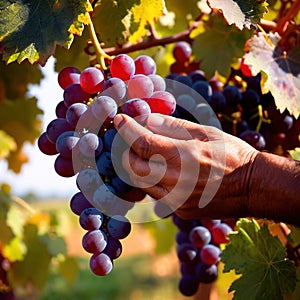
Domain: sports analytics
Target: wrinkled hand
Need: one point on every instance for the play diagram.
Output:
(199, 171)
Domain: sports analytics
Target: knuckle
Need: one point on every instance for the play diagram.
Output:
(143, 146)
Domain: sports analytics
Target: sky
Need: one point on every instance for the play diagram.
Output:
(38, 175)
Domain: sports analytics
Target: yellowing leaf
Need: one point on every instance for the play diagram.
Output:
(7, 144)
(295, 154)
(282, 70)
(240, 13)
(15, 249)
(146, 12)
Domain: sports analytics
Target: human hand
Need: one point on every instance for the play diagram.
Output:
(197, 170)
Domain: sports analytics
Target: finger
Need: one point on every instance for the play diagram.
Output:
(147, 173)
(144, 142)
(179, 128)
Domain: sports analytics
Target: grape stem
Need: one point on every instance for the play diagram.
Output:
(100, 53)
(290, 15)
(261, 119)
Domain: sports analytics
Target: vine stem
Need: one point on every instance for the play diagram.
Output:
(23, 203)
(100, 53)
(290, 15)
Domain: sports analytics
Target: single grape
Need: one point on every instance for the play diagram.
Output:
(113, 248)
(188, 285)
(56, 127)
(115, 88)
(203, 88)
(206, 273)
(74, 112)
(66, 142)
(220, 233)
(186, 102)
(45, 145)
(91, 218)
(108, 138)
(182, 51)
(75, 94)
(159, 84)
(79, 203)
(91, 80)
(118, 227)
(88, 181)
(140, 86)
(199, 236)
(136, 107)
(94, 241)
(232, 94)
(104, 164)
(184, 224)
(144, 64)
(209, 254)
(210, 223)
(64, 166)
(255, 139)
(217, 101)
(197, 75)
(203, 113)
(61, 110)
(162, 102)
(182, 237)
(67, 76)
(101, 264)
(104, 108)
(119, 185)
(184, 79)
(250, 100)
(122, 66)
(187, 252)
(90, 145)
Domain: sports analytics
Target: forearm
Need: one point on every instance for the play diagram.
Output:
(274, 189)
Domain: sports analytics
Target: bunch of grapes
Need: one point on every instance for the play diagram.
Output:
(85, 142)
(198, 250)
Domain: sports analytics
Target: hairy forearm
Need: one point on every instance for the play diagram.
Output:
(274, 189)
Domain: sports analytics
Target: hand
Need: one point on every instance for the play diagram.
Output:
(199, 171)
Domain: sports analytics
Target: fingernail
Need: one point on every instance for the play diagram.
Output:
(117, 120)
(155, 120)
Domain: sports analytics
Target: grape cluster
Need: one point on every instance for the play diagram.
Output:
(241, 107)
(198, 251)
(85, 141)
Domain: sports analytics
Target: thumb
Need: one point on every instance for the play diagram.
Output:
(176, 128)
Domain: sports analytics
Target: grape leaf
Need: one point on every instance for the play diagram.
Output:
(69, 269)
(295, 154)
(32, 29)
(282, 70)
(14, 250)
(241, 13)
(145, 12)
(219, 45)
(261, 259)
(112, 20)
(7, 144)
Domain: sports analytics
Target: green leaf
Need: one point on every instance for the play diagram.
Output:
(69, 269)
(55, 245)
(282, 70)
(6, 232)
(112, 20)
(7, 144)
(219, 45)
(261, 259)
(295, 154)
(32, 29)
(241, 13)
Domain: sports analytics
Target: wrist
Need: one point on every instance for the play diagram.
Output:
(274, 188)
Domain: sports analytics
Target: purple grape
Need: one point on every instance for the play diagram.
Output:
(56, 127)
(220, 233)
(182, 51)
(108, 138)
(115, 88)
(91, 218)
(88, 181)
(209, 254)
(91, 80)
(182, 237)
(104, 164)
(136, 107)
(199, 236)
(140, 86)
(45, 145)
(206, 273)
(66, 142)
(144, 64)
(74, 94)
(61, 110)
(101, 264)
(74, 112)
(64, 166)
(104, 108)
(188, 285)
(203, 88)
(94, 241)
(90, 145)
(187, 252)
(113, 248)
(79, 203)
(118, 227)
(255, 139)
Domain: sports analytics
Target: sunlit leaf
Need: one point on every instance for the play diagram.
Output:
(282, 70)
(241, 13)
(14, 250)
(7, 144)
(261, 259)
(295, 154)
(32, 29)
